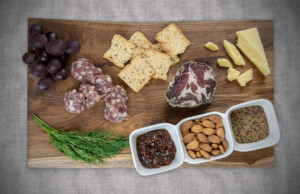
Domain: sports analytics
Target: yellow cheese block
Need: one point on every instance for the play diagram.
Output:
(224, 62)
(245, 77)
(234, 53)
(211, 46)
(232, 74)
(250, 44)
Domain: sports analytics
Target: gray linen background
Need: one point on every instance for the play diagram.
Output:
(15, 177)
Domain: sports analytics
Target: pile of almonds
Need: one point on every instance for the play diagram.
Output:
(204, 137)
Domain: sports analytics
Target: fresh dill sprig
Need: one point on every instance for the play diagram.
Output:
(90, 147)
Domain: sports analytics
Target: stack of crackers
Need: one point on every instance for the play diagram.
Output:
(147, 60)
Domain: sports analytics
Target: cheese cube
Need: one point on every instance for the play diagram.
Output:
(234, 53)
(245, 77)
(224, 62)
(250, 44)
(232, 74)
(211, 46)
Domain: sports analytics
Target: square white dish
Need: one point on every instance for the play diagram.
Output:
(179, 156)
(228, 137)
(274, 133)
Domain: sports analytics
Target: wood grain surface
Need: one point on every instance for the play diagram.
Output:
(149, 106)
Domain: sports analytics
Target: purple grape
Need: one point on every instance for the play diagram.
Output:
(42, 55)
(53, 65)
(51, 36)
(28, 58)
(73, 46)
(38, 70)
(63, 59)
(35, 29)
(38, 41)
(56, 47)
(60, 75)
(45, 83)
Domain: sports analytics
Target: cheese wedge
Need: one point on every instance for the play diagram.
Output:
(245, 77)
(232, 74)
(224, 62)
(211, 46)
(234, 53)
(250, 44)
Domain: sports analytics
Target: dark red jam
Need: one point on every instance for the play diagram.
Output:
(155, 148)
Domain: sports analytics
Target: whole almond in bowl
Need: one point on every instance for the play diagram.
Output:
(188, 138)
(197, 129)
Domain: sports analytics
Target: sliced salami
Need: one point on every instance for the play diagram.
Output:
(78, 68)
(116, 92)
(74, 101)
(102, 83)
(90, 72)
(90, 93)
(116, 111)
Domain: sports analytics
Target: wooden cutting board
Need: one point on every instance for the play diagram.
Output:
(149, 106)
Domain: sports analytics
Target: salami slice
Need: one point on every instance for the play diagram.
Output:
(90, 93)
(102, 84)
(116, 111)
(89, 72)
(74, 101)
(78, 67)
(116, 92)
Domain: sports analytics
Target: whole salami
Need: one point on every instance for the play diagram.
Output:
(78, 68)
(116, 111)
(116, 92)
(90, 93)
(74, 101)
(102, 84)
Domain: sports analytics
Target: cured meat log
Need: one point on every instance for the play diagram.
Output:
(193, 85)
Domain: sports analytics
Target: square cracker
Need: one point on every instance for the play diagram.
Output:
(172, 40)
(120, 51)
(139, 39)
(137, 73)
(158, 47)
(160, 62)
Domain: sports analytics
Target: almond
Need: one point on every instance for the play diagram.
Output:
(221, 148)
(208, 131)
(188, 138)
(186, 126)
(208, 124)
(204, 118)
(221, 133)
(214, 139)
(205, 154)
(197, 149)
(225, 145)
(198, 121)
(192, 145)
(202, 138)
(185, 133)
(192, 154)
(215, 146)
(197, 128)
(198, 155)
(215, 152)
(205, 147)
(215, 118)
(219, 125)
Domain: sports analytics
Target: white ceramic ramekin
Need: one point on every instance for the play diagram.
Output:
(181, 153)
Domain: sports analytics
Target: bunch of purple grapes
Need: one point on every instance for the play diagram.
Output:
(49, 56)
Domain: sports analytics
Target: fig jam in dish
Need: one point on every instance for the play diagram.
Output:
(155, 148)
(249, 124)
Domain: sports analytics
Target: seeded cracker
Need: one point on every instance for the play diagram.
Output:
(158, 47)
(139, 39)
(160, 62)
(172, 40)
(120, 51)
(137, 73)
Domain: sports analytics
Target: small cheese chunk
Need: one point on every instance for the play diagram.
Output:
(250, 44)
(211, 46)
(224, 62)
(232, 74)
(234, 53)
(245, 77)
